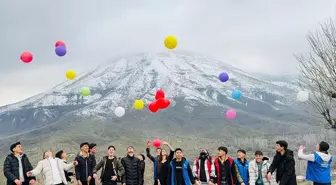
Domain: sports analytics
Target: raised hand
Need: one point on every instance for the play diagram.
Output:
(148, 144)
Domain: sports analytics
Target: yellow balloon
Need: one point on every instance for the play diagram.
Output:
(170, 42)
(70, 74)
(139, 104)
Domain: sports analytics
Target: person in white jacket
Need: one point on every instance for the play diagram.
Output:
(258, 170)
(52, 169)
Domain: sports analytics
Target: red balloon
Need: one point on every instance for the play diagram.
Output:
(159, 94)
(153, 107)
(156, 143)
(26, 57)
(163, 103)
(59, 43)
(166, 103)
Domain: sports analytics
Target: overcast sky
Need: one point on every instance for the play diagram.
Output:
(255, 35)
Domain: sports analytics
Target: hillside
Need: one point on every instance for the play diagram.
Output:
(62, 119)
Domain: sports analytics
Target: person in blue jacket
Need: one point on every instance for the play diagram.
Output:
(242, 165)
(319, 164)
(180, 172)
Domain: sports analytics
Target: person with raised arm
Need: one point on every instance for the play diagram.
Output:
(52, 170)
(63, 156)
(319, 164)
(180, 172)
(154, 159)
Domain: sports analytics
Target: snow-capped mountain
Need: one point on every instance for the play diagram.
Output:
(187, 77)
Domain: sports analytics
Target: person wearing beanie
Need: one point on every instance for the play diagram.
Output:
(52, 170)
(86, 163)
(225, 168)
(284, 165)
(63, 156)
(16, 166)
(111, 168)
(258, 170)
(203, 167)
(133, 175)
(242, 165)
(319, 164)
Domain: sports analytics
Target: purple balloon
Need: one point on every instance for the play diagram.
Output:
(223, 77)
(60, 50)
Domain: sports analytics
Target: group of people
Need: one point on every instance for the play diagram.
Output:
(170, 168)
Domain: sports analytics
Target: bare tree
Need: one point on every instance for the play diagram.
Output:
(318, 72)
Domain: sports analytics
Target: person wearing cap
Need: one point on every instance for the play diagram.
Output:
(16, 166)
(85, 166)
(203, 167)
(284, 165)
(111, 168)
(132, 166)
(63, 156)
(225, 168)
(258, 170)
(319, 164)
(242, 165)
(52, 169)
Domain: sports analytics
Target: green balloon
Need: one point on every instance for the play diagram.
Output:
(85, 91)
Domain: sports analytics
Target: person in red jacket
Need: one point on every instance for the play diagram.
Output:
(226, 172)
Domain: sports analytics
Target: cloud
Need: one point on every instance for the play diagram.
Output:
(258, 35)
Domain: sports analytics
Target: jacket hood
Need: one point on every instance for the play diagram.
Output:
(325, 157)
(289, 153)
(265, 159)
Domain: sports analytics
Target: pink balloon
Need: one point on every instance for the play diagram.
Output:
(231, 114)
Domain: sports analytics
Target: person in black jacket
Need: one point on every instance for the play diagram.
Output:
(85, 166)
(142, 167)
(63, 156)
(16, 166)
(133, 175)
(284, 164)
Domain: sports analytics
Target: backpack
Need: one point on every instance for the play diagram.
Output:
(209, 163)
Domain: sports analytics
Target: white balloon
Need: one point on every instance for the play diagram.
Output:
(302, 96)
(119, 112)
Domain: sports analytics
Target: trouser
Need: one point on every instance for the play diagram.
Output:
(203, 183)
(316, 183)
(109, 183)
(92, 182)
(60, 184)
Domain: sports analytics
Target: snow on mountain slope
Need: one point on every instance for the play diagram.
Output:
(120, 82)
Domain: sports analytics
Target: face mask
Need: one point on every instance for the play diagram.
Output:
(203, 155)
